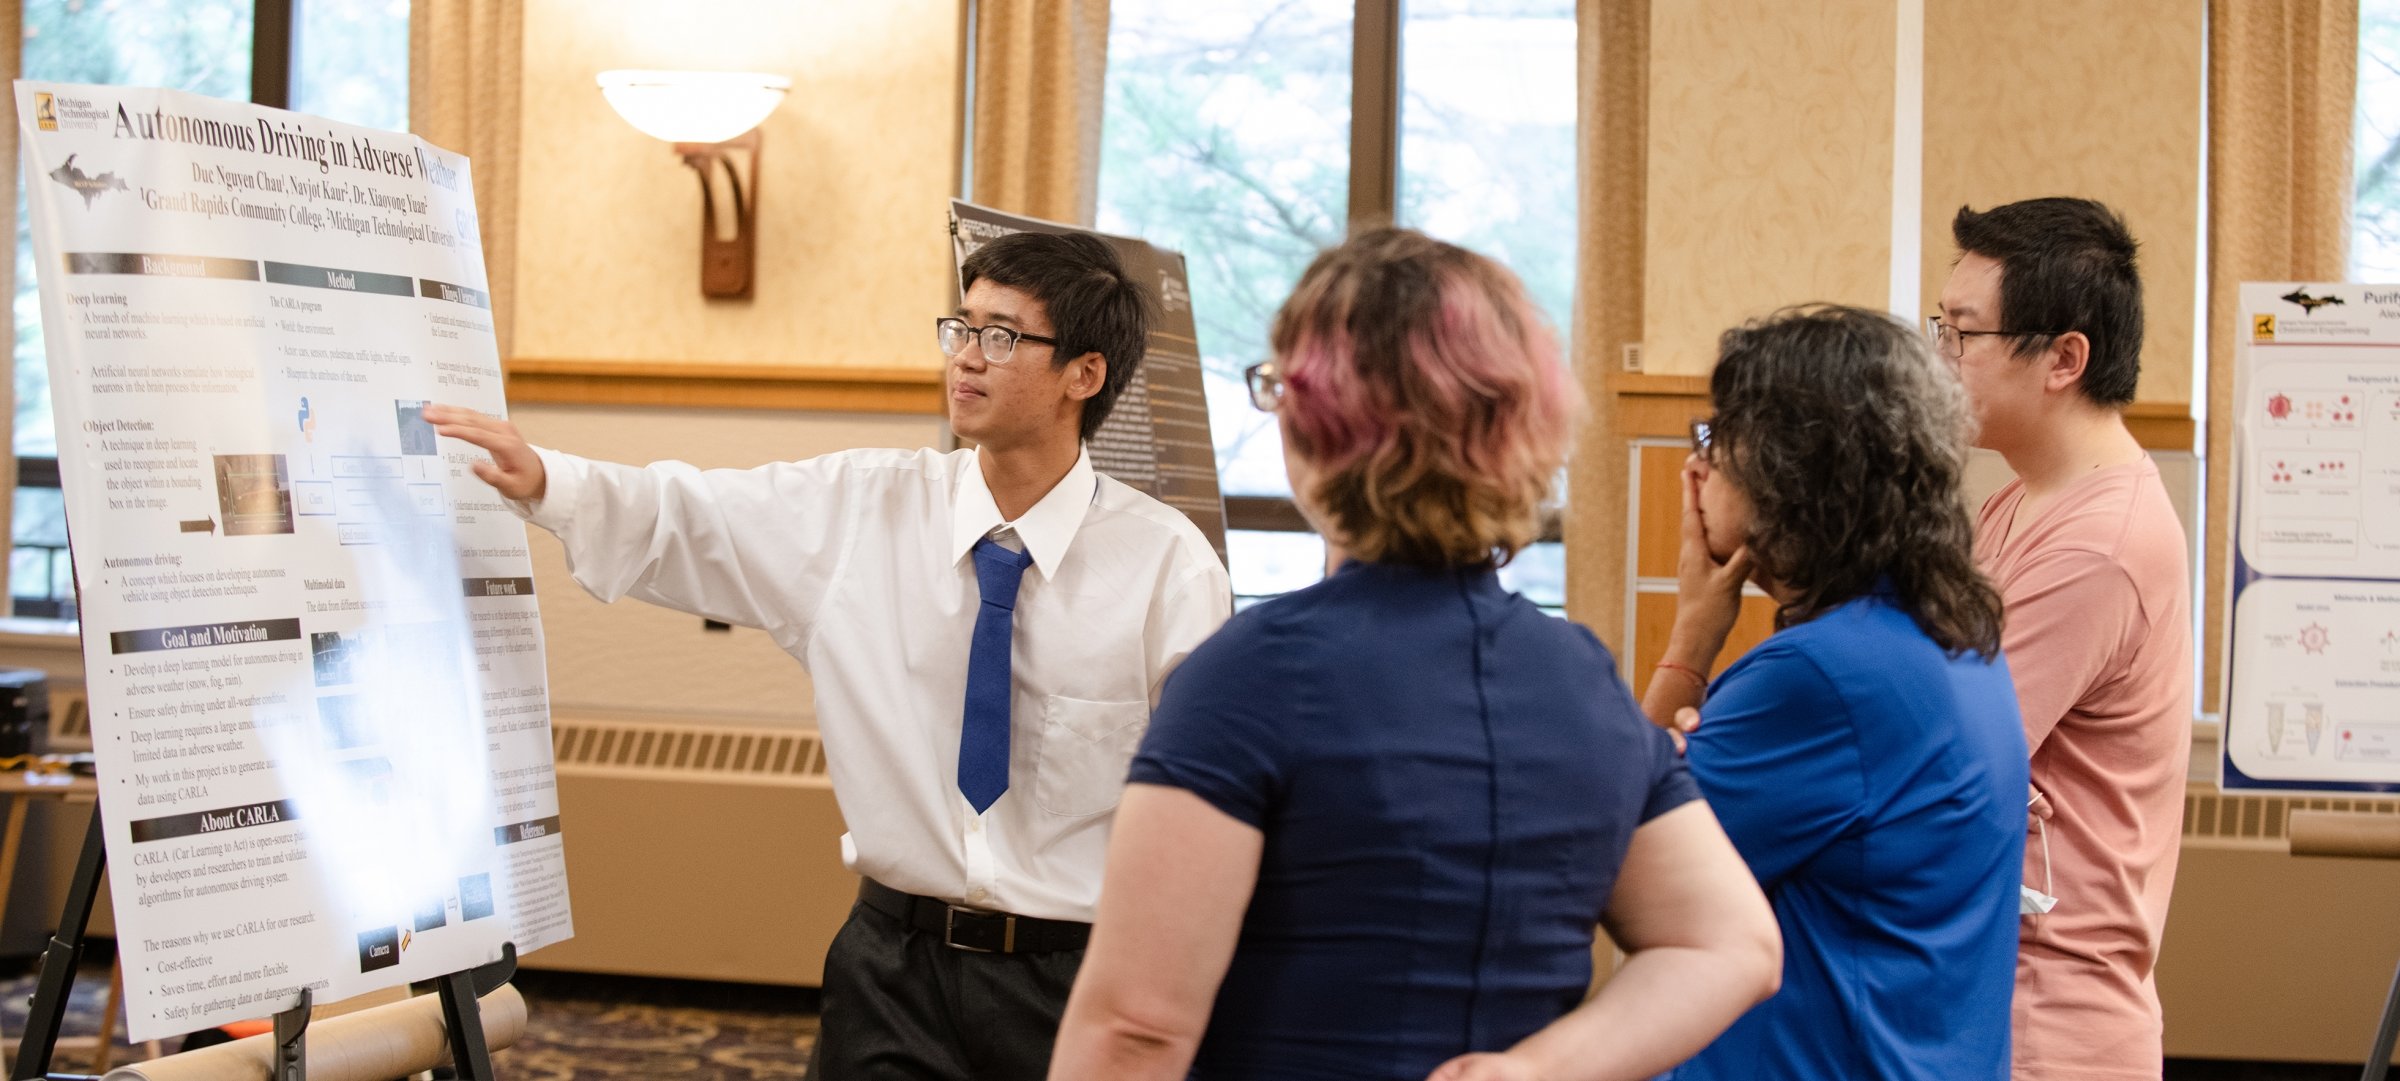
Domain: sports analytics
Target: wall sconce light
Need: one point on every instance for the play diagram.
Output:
(707, 115)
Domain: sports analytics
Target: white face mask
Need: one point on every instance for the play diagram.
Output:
(2030, 901)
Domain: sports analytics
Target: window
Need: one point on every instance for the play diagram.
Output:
(2375, 146)
(355, 68)
(351, 61)
(1228, 136)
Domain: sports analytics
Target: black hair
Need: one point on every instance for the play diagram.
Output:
(1094, 306)
(2065, 265)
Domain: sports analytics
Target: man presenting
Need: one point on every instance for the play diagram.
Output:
(2043, 317)
(987, 630)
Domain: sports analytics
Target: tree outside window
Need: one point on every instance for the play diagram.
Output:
(2375, 145)
(1227, 137)
(354, 68)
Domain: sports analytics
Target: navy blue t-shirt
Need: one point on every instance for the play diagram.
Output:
(1447, 779)
(1877, 788)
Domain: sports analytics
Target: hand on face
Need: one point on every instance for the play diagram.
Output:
(1708, 593)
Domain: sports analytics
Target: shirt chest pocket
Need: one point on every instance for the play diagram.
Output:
(1086, 749)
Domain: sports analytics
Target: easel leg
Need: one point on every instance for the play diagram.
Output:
(2379, 1057)
(462, 1016)
(49, 1009)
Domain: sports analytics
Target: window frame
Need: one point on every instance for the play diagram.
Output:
(1375, 84)
(274, 55)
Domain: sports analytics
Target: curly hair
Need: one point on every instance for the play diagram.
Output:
(1430, 395)
(1850, 442)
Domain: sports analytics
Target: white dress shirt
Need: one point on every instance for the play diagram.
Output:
(857, 564)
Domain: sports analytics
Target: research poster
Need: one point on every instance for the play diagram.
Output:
(1156, 440)
(310, 635)
(2314, 699)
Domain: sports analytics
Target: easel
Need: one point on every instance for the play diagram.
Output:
(463, 1019)
(2329, 833)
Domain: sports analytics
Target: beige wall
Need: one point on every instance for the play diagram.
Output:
(2097, 98)
(1775, 167)
(857, 167)
(1770, 165)
(631, 657)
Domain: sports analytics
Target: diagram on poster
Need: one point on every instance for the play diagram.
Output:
(2314, 699)
(312, 647)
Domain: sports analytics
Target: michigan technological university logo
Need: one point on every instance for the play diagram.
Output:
(2309, 304)
(45, 110)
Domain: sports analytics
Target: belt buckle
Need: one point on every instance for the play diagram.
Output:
(1008, 930)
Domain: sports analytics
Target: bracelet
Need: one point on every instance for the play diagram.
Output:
(1688, 672)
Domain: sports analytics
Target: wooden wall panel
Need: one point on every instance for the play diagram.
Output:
(1658, 514)
(1654, 617)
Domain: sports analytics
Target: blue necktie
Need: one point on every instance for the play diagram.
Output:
(983, 739)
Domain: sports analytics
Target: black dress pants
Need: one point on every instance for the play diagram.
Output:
(899, 1005)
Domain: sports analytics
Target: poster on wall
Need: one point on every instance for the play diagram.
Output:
(2313, 702)
(310, 636)
(1156, 440)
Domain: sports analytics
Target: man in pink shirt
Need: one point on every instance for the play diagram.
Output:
(2043, 316)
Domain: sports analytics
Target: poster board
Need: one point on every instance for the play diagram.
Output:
(2313, 698)
(312, 648)
(1156, 441)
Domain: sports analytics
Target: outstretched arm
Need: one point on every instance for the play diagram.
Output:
(751, 547)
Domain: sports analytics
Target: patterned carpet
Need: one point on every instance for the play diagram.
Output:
(578, 1027)
(613, 1028)
(602, 1028)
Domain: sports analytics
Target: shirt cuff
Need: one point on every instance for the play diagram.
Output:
(562, 482)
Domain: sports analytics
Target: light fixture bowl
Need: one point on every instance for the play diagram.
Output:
(693, 106)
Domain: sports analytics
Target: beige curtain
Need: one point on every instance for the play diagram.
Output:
(464, 94)
(1040, 74)
(12, 31)
(1613, 83)
(2282, 87)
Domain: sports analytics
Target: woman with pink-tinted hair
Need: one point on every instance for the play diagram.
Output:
(1375, 822)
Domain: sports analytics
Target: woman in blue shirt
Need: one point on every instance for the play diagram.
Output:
(1375, 822)
(1866, 758)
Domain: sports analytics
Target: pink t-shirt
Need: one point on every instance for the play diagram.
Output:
(2098, 634)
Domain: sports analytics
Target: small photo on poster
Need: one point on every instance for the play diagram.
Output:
(416, 433)
(336, 657)
(474, 897)
(346, 722)
(379, 948)
(371, 778)
(431, 913)
(254, 494)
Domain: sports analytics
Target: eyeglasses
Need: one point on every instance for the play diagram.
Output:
(1951, 342)
(999, 342)
(1701, 437)
(1266, 385)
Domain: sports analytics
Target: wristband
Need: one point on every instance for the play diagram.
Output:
(1688, 672)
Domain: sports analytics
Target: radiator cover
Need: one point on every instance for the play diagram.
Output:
(698, 852)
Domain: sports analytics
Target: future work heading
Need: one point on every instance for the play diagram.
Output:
(282, 140)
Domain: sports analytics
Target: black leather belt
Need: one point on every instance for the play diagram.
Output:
(975, 930)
